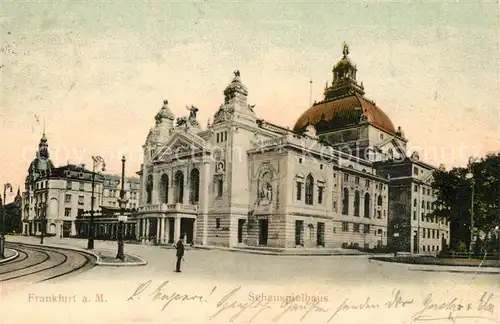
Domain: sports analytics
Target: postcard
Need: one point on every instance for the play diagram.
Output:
(249, 162)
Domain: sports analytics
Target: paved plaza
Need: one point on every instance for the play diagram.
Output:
(236, 266)
(224, 284)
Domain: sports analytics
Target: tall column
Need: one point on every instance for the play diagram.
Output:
(73, 228)
(171, 188)
(155, 199)
(177, 228)
(158, 229)
(148, 225)
(361, 204)
(167, 229)
(205, 181)
(195, 230)
(144, 230)
(187, 180)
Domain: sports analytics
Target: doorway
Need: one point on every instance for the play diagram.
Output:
(171, 229)
(299, 230)
(320, 234)
(263, 230)
(415, 243)
(66, 229)
(241, 222)
(187, 229)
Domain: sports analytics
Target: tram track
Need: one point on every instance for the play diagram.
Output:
(21, 265)
(40, 264)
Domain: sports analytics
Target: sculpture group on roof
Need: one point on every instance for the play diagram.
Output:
(188, 120)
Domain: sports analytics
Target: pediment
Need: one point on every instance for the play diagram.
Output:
(392, 145)
(427, 177)
(179, 144)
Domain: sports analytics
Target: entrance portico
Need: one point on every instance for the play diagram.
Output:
(166, 223)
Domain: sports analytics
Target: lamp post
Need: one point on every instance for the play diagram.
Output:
(396, 235)
(497, 234)
(121, 218)
(96, 161)
(2, 233)
(470, 176)
(43, 219)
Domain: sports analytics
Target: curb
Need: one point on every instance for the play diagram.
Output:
(444, 267)
(284, 253)
(123, 264)
(475, 270)
(16, 254)
(94, 254)
(62, 248)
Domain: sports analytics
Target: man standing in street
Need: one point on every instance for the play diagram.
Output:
(180, 253)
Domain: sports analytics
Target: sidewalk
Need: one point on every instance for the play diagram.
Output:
(456, 269)
(111, 245)
(104, 253)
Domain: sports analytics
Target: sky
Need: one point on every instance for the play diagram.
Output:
(98, 71)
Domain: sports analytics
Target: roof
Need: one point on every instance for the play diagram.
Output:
(338, 113)
(74, 171)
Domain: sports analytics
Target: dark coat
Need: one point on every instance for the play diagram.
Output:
(180, 249)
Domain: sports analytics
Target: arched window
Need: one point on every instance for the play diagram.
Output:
(149, 189)
(379, 207)
(164, 188)
(367, 205)
(423, 204)
(356, 203)
(309, 189)
(345, 202)
(428, 205)
(415, 202)
(194, 186)
(179, 187)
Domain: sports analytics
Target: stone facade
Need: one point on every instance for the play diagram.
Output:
(55, 197)
(340, 182)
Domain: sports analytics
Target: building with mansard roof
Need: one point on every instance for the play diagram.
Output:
(340, 178)
(56, 198)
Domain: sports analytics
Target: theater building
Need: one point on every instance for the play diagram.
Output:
(243, 181)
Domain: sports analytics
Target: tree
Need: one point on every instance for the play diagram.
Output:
(454, 197)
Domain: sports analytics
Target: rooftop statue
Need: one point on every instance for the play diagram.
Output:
(192, 112)
(345, 49)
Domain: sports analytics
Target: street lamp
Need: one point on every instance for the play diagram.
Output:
(43, 217)
(395, 235)
(2, 234)
(96, 161)
(470, 176)
(497, 234)
(121, 218)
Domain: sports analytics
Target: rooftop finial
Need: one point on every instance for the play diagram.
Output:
(236, 73)
(165, 102)
(345, 49)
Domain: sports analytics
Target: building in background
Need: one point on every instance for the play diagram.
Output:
(12, 215)
(105, 216)
(57, 196)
